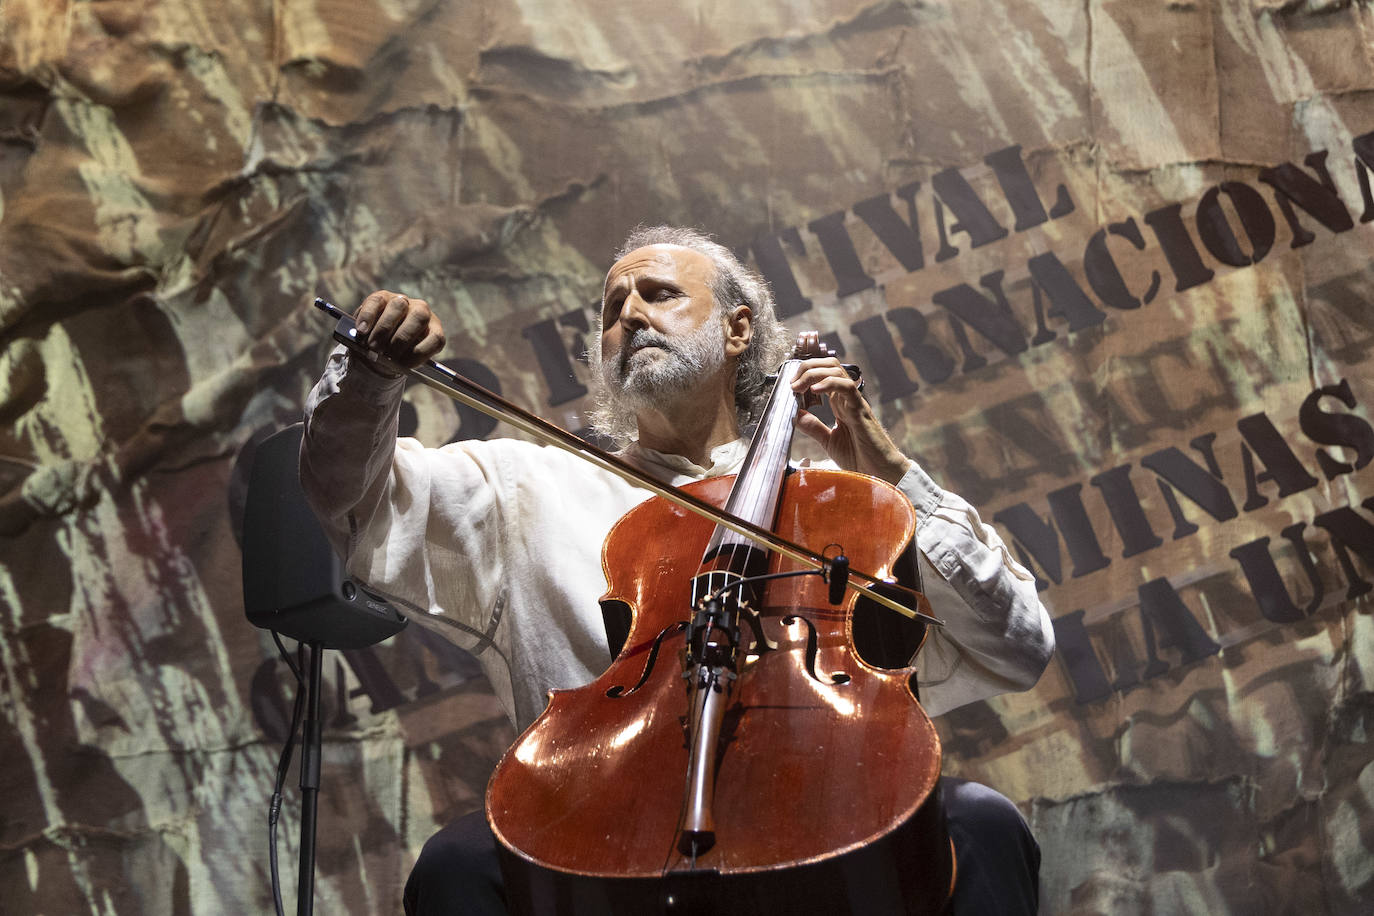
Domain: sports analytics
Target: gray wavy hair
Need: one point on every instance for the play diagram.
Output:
(732, 284)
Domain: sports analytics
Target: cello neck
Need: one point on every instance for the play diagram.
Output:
(758, 484)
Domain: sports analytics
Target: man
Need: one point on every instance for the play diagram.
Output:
(497, 543)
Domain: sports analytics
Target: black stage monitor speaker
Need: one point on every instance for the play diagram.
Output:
(293, 582)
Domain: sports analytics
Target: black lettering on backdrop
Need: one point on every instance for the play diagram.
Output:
(1075, 651)
(884, 361)
(1262, 573)
(473, 424)
(1118, 642)
(1203, 486)
(1123, 504)
(1036, 540)
(1168, 623)
(407, 659)
(1179, 250)
(992, 318)
(1043, 334)
(1263, 443)
(1364, 161)
(1145, 390)
(1336, 429)
(552, 355)
(974, 217)
(1104, 276)
(1350, 532)
(839, 252)
(1215, 230)
(773, 264)
(1069, 300)
(1163, 621)
(1317, 198)
(902, 238)
(373, 680)
(1028, 429)
(932, 362)
(1020, 191)
(946, 250)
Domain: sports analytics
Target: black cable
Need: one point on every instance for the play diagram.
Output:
(764, 577)
(297, 668)
(284, 764)
(836, 575)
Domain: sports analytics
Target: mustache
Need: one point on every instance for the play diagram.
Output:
(641, 338)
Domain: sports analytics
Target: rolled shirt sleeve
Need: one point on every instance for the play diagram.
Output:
(997, 636)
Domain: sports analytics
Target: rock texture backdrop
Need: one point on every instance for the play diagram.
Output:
(1106, 263)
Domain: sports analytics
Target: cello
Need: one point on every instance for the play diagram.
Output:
(738, 756)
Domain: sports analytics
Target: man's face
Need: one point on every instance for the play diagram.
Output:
(661, 330)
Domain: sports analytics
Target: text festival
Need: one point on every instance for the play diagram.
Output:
(1041, 537)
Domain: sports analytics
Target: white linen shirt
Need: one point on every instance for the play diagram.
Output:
(497, 545)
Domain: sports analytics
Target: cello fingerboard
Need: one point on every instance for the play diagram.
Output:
(758, 485)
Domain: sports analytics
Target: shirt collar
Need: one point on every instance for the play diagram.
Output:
(725, 459)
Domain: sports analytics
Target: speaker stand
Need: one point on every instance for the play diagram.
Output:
(310, 781)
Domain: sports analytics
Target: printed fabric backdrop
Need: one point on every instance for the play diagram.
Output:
(1106, 265)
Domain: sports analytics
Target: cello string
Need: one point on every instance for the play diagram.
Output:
(765, 469)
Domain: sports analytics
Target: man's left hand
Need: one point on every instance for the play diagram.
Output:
(857, 441)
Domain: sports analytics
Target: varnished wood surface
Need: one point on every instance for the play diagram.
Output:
(807, 770)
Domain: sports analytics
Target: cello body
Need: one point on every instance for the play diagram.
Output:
(825, 770)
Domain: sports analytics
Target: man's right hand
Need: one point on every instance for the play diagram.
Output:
(402, 329)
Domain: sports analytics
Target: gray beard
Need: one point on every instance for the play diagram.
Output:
(667, 374)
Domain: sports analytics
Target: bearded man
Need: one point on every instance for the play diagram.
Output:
(496, 544)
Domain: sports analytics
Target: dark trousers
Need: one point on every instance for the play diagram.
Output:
(458, 872)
